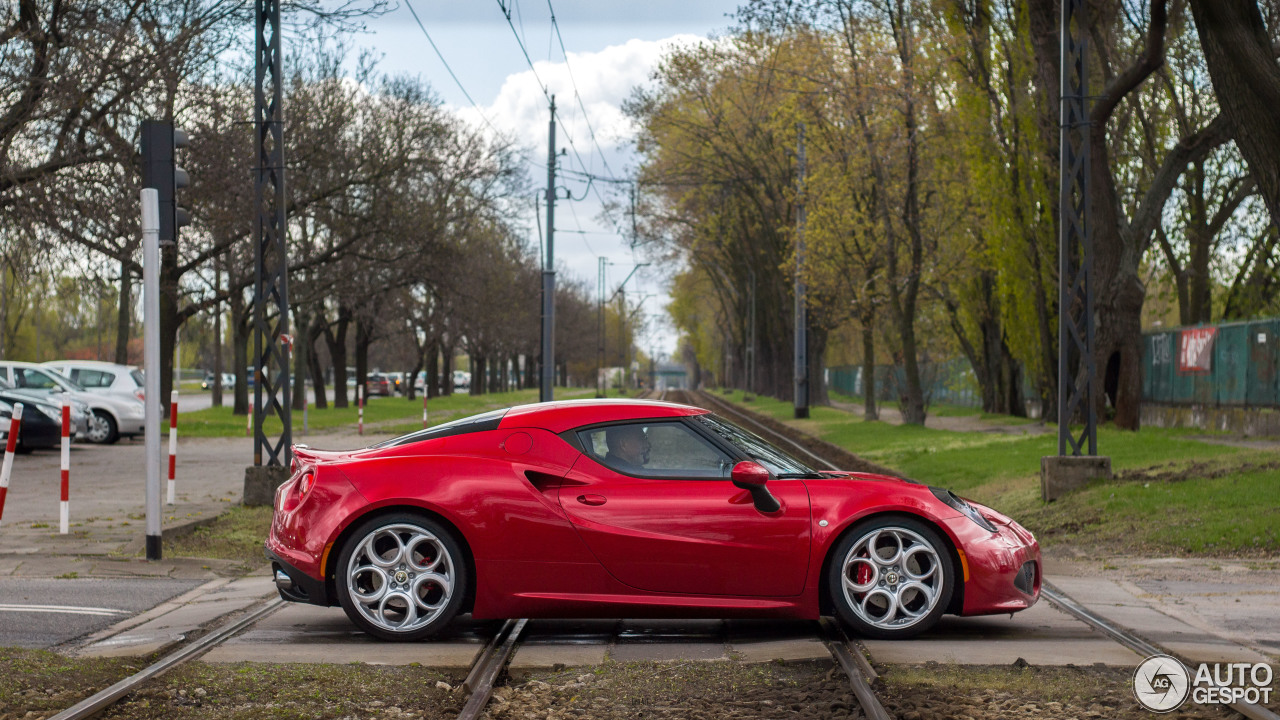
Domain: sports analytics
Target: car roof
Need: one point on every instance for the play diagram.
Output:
(89, 364)
(568, 414)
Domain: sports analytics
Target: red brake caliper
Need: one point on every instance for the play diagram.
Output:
(864, 574)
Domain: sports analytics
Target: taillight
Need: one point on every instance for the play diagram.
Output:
(141, 395)
(305, 483)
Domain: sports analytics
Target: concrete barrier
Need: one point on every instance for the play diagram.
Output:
(1256, 422)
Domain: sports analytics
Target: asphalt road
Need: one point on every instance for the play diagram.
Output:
(42, 613)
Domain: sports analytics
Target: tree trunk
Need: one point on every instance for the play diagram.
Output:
(125, 315)
(477, 373)
(432, 384)
(446, 370)
(301, 359)
(240, 352)
(335, 339)
(869, 411)
(313, 333)
(217, 339)
(1246, 81)
(364, 335)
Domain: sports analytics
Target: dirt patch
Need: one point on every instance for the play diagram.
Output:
(45, 682)
(689, 691)
(936, 692)
(249, 691)
(1182, 471)
(835, 454)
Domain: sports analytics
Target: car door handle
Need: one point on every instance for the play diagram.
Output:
(592, 499)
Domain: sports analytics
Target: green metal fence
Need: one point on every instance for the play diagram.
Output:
(1237, 366)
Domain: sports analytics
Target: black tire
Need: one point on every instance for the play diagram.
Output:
(458, 574)
(902, 529)
(113, 431)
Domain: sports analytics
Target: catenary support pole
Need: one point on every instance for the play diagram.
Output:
(545, 393)
(11, 447)
(801, 401)
(64, 505)
(173, 443)
(600, 329)
(151, 361)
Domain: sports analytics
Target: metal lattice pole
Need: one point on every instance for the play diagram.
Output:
(271, 388)
(1077, 376)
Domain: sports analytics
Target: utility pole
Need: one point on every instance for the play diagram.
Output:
(600, 383)
(622, 332)
(1077, 459)
(549, 270)
(801, 353)
(151, 362)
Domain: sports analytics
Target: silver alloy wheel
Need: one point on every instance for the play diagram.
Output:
(400, 577)
(99, 428)
(892, 578)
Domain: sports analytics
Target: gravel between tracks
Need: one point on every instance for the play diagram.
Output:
(691, 690)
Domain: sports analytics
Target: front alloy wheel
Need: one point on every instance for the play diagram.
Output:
(102, 428)
(401, 577)
(891, 578)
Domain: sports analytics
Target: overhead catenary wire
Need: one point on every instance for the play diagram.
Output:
(546, 93)
(448, 68)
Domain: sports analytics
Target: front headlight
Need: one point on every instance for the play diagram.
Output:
(965, 508)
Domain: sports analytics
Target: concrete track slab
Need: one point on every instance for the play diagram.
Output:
(668, 651)
(1041, 635)
(795, 650)
(170, 625)
(539, 656)
(1122, 603)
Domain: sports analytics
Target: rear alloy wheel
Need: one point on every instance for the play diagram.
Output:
(891, 578)
(102, 428)
(401, 577)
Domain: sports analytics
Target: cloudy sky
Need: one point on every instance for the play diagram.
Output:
(612, 46)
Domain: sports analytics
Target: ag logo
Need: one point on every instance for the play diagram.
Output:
(1161, 683)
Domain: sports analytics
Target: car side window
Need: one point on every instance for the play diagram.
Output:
(656, 449)
(34, 379)
(93, 378)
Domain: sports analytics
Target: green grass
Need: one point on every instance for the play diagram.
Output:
(385, 414)
(235, 535)
(1205, 499)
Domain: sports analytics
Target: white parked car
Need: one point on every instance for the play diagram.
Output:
(50, 405)
(103, 378)
(109, 415)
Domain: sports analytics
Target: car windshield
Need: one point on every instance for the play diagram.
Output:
(475, 423)
(66, 382)
(777, 462)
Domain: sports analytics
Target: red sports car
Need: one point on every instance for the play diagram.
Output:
(627, 508)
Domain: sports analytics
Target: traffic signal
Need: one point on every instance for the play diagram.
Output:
(160, 171)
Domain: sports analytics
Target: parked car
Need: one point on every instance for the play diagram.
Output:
(41, 422)
(461, 379)
(377, 384)
(98, 418)
(615, 508)
(228, 381)
(397, 382)
(104, 378)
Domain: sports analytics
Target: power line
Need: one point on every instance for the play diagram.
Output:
(547, 94)
(568, 66)
(453, 75)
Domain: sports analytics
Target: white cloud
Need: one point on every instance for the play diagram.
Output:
(604, 80)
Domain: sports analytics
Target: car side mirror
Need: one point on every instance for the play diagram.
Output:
(752, 477)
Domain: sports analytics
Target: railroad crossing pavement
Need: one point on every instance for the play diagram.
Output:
(46, 612)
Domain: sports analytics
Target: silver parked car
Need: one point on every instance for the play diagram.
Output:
(50, 405)
(108, 416)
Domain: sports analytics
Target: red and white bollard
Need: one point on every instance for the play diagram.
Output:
(360, 405)
(424, 408)
(64, 509)
(15, 424)
(173, 440)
